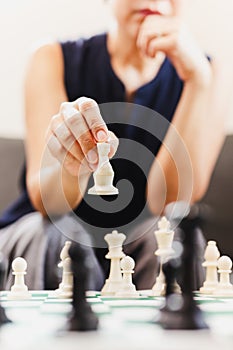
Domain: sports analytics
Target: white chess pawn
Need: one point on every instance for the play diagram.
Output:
(103, 176)
(128, 289)
(224, 288)
(113, 283)
(164, 236)
(211, 257)
(65, 289)
(19, 290)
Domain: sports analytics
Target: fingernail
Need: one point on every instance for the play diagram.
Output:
(92, 156)
(101, 135)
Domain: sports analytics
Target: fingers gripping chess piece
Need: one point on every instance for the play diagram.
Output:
(164, 236)
(103, 176)
(211, 257)
(66, 285)
(113, 283)
(127, 288)
(224, 287)
(19, 290)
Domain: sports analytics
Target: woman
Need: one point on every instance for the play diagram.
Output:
(150, 59)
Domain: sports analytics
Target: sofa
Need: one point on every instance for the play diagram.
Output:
(219, 196)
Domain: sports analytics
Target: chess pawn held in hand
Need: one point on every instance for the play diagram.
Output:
(103, 176)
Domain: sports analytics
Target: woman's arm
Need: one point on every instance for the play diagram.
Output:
(44, 93)
(61, 137)
(184, 164)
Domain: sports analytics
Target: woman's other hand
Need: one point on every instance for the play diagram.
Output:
(168, 34)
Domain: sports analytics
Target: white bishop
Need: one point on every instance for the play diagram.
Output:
(65, 289)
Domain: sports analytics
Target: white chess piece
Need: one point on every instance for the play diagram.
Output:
(113, 283)
(127, 289)
(224, 287)
(19, 290)
(103, 176)
(164, 236)
(211, 257)
(65, 289)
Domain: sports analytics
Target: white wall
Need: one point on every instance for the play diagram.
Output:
(25, 24)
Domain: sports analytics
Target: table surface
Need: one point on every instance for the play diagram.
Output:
(39, 323)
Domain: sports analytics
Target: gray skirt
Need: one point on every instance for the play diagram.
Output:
(40, 241)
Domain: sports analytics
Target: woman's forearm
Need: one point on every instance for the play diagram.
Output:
(54, 191)
(184, 164)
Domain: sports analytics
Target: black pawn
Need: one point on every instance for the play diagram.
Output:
(181, 311)
(190, 225)
(82, 317)
(3, 318)
(173, 301)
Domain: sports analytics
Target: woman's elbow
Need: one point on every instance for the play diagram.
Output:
(200, 187)
(161, 195)
(34, 194)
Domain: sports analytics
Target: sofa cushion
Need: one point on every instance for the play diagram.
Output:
(11, 158)
(219, 197)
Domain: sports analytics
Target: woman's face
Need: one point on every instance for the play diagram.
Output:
(129, 14)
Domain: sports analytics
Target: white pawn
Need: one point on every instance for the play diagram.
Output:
(65, 289)
(211, 257)
(19, 290)
(113, 283)
(164, 236)
(128, 289)
(103, 176)
(224, 288)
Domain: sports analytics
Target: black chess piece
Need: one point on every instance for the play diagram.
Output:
(82, 317)
(3, 317)
(181, 311)
(173, 300)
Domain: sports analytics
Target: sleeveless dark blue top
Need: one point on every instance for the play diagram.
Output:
(88, 72)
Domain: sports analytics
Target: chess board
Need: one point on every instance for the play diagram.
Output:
(40, 323)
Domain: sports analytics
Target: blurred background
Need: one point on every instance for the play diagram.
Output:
(26, 24)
